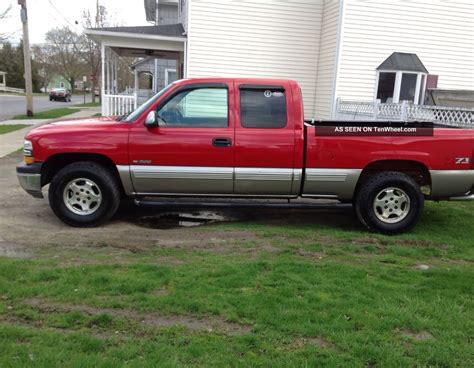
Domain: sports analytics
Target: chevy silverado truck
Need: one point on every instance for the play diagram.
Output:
(225, 137)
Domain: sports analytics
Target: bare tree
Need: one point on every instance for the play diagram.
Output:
(66, 53)
(5, 13)
(91, 49)
(43, 59)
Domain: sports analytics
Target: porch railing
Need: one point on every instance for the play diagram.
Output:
(118, 104)
(404, 111)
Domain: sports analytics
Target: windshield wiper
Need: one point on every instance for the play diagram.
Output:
(123, 117)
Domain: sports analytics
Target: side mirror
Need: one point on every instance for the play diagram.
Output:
(151, 120)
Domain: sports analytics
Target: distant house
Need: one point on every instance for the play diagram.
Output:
(58, 81)
(336, 49)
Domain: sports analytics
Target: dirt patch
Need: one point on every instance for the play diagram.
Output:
(415, 243)
(27, 323)
(369, 240)
(208, 324)
(13, 250)
(302, 342)
(308, 254)
(417, 335)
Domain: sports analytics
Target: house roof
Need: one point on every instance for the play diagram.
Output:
(167, 30)
(403, 61)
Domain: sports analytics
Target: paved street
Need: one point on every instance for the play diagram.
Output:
(11, 105)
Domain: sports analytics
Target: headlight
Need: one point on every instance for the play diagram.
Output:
(28, 152)
(27, 148)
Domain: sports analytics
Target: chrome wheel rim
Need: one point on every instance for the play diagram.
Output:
(391, 205)
(82, 196)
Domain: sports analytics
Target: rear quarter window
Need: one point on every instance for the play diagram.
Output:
(263, 108)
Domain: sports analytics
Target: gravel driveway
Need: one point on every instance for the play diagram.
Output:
(27, 224)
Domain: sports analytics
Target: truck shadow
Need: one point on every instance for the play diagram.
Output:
(177, 214)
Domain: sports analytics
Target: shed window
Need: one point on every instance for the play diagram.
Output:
(408, 87)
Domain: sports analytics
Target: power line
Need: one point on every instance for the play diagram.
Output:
(62, 15)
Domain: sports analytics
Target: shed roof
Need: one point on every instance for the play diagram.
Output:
(403, 61)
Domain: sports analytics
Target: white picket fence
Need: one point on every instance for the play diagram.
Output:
(404, 111)
(11, 89)
(118, 104)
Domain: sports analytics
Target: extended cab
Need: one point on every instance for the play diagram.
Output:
(224, 137)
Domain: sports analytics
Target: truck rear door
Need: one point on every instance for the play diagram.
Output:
(264, 139)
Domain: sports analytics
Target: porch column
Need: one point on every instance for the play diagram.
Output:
(108, 72)
(180, 66)
(155, 77)
(115, 74)
(135, 89)
(102, 79)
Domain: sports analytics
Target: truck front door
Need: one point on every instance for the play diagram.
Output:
(192, 149)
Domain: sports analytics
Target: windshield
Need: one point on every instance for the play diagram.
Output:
(135, 114)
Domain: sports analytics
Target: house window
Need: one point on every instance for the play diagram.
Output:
(386, 87)
(170, 76)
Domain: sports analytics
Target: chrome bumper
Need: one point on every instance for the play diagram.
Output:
(29, 177)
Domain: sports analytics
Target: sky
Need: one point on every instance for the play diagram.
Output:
(46, 14)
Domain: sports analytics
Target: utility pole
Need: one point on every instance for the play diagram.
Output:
(27, 58)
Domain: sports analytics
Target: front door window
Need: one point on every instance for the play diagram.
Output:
(196, 108)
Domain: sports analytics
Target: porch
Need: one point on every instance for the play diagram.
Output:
(150, 48)
(404, 111)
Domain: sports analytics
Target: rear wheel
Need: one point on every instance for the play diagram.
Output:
(84, 194)
(389, 203)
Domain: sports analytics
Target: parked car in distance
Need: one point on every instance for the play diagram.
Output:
(60, 94)
(247, 138)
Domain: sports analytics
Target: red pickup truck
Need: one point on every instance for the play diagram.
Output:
(224, 137)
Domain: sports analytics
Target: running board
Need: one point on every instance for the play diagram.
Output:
(233, 205)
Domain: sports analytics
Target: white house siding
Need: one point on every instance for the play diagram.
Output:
(441, 33)
(327, 59)
(256, 38)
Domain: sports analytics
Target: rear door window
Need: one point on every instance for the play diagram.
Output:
(263, 107)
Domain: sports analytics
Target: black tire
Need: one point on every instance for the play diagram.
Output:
(104, 180)
(374, 189)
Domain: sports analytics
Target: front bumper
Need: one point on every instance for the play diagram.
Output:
(29, 177)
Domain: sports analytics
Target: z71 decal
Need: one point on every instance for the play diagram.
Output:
(462, 160)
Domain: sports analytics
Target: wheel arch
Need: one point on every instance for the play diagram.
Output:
(414, 169)
(58, 161)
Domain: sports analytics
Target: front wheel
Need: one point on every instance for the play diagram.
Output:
(84, 194)
(389, 203)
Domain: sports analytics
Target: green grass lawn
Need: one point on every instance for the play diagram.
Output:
(48, 114)
(11, 128)
(89, 104)
(321, 292)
